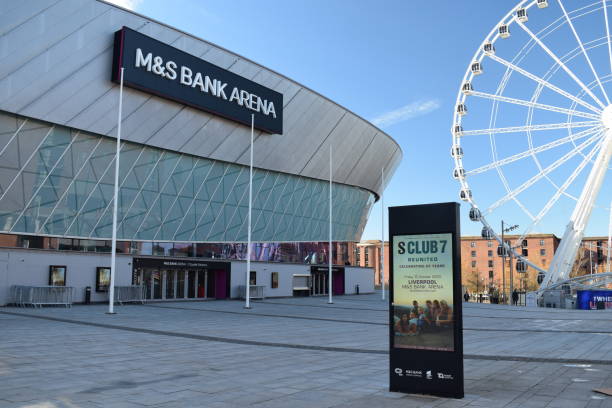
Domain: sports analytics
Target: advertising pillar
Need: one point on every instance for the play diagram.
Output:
(425, 316)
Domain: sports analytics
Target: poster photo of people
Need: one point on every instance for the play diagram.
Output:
(423, 292)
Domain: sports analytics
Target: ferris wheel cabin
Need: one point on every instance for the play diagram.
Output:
(475, 214)
(458, 130)
(521, 15)
(462, 109)
(465, 194)
(457, 151)
(504, 31)
(542, 3)
(489, 49)
(467, 88)
(476, 68)
(458, 173)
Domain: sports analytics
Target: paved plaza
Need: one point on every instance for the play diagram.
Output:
(293, 352)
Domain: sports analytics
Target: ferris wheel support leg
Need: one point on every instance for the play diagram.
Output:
(563, 261)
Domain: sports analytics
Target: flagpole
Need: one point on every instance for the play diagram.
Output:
(247, 296)
(382, 229)
(329, 255)
(111, 289)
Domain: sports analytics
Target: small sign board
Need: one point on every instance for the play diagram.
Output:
(425, 315)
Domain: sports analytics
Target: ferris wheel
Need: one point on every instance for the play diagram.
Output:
(532, 129)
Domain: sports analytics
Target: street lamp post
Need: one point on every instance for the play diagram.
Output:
(503, 254)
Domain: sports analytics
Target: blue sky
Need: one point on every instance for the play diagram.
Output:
(398, 63)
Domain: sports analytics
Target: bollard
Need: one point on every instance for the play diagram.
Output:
(356, 289)
(88, 295)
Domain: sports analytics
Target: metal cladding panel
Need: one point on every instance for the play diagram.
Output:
(55, 65)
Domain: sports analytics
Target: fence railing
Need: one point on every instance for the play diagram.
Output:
(126, 294)
(38, 296)
(256, 291)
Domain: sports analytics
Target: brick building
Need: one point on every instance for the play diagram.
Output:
(481, 267)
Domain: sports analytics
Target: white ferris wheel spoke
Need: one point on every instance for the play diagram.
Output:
(560, 63)
(535, 105)
(528, 153)
(531, 128)
(512, 194)
(586, 56)
(609, 237)
(544, 82)
(560, 191)
(605, 9)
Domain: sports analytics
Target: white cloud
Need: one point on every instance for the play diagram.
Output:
(127, 4)
(412, 110)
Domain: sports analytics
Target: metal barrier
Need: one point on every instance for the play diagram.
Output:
(38, 296)
(126, 294)
(256, 291)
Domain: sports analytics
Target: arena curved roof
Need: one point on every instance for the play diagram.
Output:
(63, 76)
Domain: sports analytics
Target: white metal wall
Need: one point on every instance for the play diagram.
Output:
(55, 65)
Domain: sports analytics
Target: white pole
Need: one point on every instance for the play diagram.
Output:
(247, 295)
(329, 255)
(382, 230)
(609, 239)
(111, 289)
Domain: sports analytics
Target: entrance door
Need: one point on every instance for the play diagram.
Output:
(191, 284)
(202, 283)
(338, 281)
(170, 284)
(220, 284)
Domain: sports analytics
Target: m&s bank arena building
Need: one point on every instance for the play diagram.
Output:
(184, 162)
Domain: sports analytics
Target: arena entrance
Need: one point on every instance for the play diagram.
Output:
(179, 279)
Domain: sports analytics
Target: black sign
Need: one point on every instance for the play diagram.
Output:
(425, 317)
(161, 69)
(178, 264)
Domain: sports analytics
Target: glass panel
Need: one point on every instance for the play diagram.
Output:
(170, 276)
(191, 288)
(162, 248)
(181, 249)
(157, 287)
(147, 282)
(201, 284)
(180, 284)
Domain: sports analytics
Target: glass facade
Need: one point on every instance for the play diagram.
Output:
(57, 181)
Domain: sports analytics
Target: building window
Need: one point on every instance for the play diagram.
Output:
(543, 262)
(541, 242)
(491, 275)
(490, 263)
(490, 244)
(366, 255)
(274, 280)
(357, 255)
(473, 264)
(525, 242)
(473, 244)
(473, 254)
(490, 253)
(543, 252)
(253, 278)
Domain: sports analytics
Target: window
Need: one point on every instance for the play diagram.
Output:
(491, 275)
(490, 263)
(57, 275)
(525, 243)
(543, 252)
(490, 244)
(473, 244)
(490, 253)
(541, 242)
(543, 262)
(357, 255)
(102, 279)
(365, 254)
(473, 264)
(253, 278)
(473, 254)
(274, 280)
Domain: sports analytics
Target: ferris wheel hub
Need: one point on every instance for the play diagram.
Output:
(606, 117)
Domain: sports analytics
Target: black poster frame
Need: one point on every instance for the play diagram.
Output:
(421, 371)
